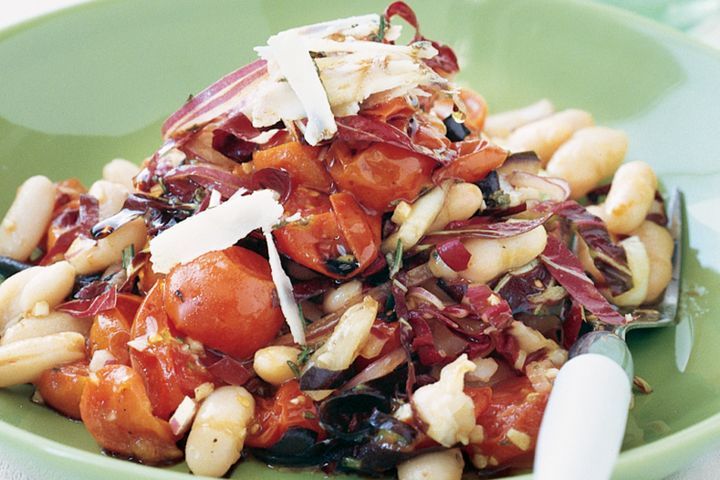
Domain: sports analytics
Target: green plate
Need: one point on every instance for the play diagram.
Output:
(85, 85)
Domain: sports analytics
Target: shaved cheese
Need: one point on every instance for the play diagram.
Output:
(182, 418)
(99, 359)
(293, 58)
(285, 292)
(214, 229)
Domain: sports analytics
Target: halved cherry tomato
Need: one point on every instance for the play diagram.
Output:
(275, 416)
(430, 132)
(381, 174)
(514, 405)
(116, 412)
(475, 109)
(302, 162)
(226, 300)
(476, 158)
(168, 367)
(395, 112)
(338, 238)
(61, 387)
(111, 329)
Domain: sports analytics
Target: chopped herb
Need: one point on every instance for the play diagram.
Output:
(394, 260)
(309, 415)
(351, 463)
(343, 265)
(302, 316)
(304, 355)
(127, 256)
(190, 97)
(381, 30)
(36, 254)
(294, 367)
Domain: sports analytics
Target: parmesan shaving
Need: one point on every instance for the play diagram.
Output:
(214, 229)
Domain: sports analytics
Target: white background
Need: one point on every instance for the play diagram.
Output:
(707, 467)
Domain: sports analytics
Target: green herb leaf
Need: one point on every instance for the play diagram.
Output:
(127, 256)
(394, 260)
(294, 367)
(381, 29)
(309, 415)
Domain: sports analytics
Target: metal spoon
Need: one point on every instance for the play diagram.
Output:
(584, 422)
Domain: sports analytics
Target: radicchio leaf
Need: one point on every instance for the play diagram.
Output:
(454, 254)
(518, 287)
(89, 307)
(82, 221)
(274, 179)
(184, 180)
(573, 318)
(568, 272)
(489, 306)
(609, 258)
(479, 227)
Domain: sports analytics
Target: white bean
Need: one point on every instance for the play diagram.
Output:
(442, 465)
(592, 154)
(110, 196)
(271, 363)
(90, 256)
(503, 123)
(27, 219)
(54, 322)
(52, 285)
(546, 135)
(630, 197)
(10, 292)
(121, 171)
(463, 200)
(336, 298)
(418, 219)
(218, 433)
(639, 264)
(491, 257)
(659, 246)
(23, 361)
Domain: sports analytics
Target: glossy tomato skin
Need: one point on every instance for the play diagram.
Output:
(476, 158)
(381, 174)
(226, 300)
(117, 413)
(302, 162)
(111, 329)
(475, 109)
(61, 387)
(513, 404)
(168, 367)
(336, 226)
(290, 408)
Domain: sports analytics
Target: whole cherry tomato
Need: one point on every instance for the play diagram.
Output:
(225, 300)
(111, 329)
(275, 416)
(61, 387)
(381, 174)
(476, 158)
(302, 162)
(117, 413)
(167, 365)
(513, 405)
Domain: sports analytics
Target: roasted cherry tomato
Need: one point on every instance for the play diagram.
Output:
(510, 421)
(111, 329)
(475, 109)
(117, 412)
(396, 112)
(225, 300)
(275, 416)
(168, 366)
(302, 162)
(381, 174)
(61, 387)
(476, 158)
(338, 239)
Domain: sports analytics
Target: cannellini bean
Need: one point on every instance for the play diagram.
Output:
(23, 361)
(546, 135)
(592, 154)
(92, 256)
(348, 337)
(442, 465)
(503, 123)
(630, 197)
(463, 200)
(218, 433)
(121, 171)
(52, 285)
(54, 322)
(27, 219)
(10, 292)
(418, 219)
(337, 298)
(491, 257)
(639, 264)
(659, 246)
(110, 195)
(444, 407)
(271, 363)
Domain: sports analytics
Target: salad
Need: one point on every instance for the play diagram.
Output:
(336, 260)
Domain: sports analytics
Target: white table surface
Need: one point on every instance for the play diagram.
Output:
(706, 467)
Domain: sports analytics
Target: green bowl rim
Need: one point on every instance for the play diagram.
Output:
(702, 435)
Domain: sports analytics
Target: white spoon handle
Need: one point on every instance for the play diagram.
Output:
(584, 422)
